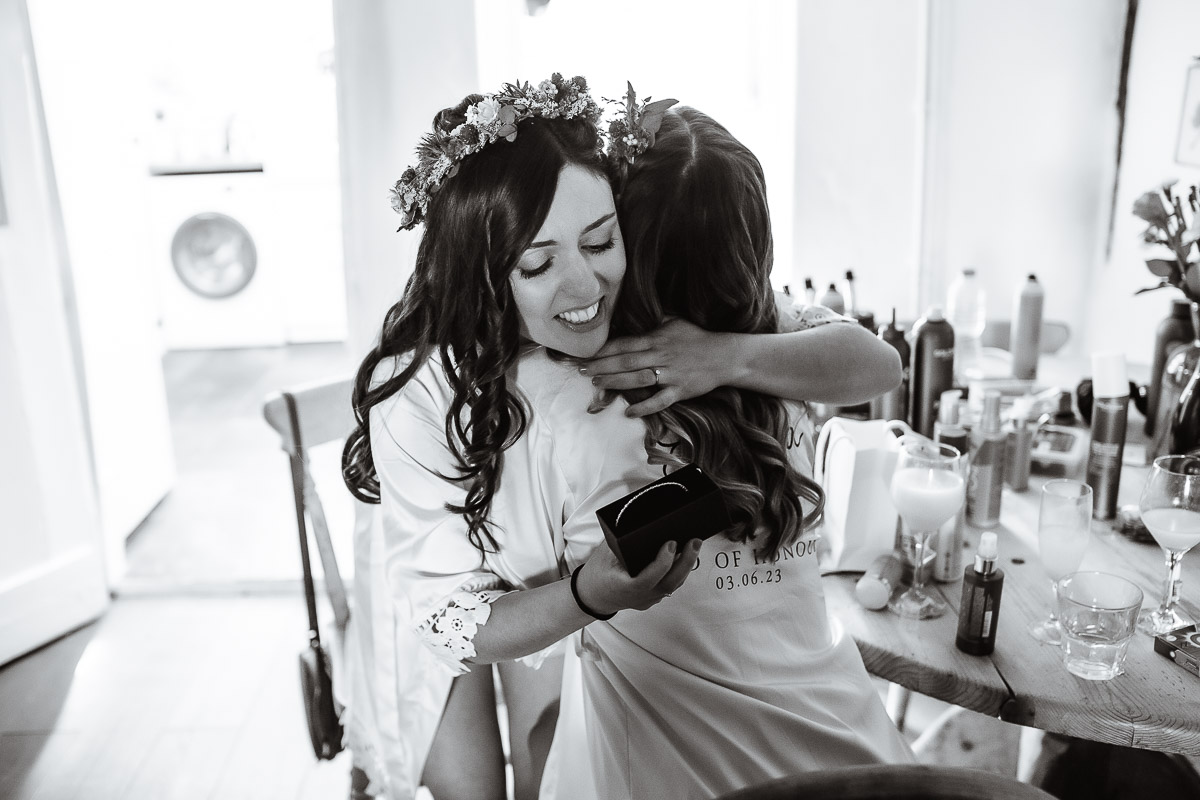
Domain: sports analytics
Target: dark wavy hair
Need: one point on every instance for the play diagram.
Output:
(458, 305)
(693, 214)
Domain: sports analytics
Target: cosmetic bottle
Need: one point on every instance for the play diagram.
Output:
(986, 482)
(932, 368)
(1018, 444)
(1175, 329)
(979, 611)
(1025, 335)
(832, 299)
(894, 404)
(850, 295)
(948, 540)
(877, 584)
(1110, 409)
(810, 292)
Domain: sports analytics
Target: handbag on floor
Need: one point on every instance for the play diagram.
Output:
(316, 682)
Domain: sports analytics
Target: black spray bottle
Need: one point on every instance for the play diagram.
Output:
(979, 612)
(932, 369)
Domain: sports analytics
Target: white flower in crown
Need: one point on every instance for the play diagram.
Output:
(549, 88)
(484, 112)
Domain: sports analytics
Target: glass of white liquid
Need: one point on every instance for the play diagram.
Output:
(1171, 511)
(1064, 528)
(927, 489)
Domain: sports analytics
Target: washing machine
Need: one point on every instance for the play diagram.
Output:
(214, 251)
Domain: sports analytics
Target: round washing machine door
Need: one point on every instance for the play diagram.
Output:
(214, 255)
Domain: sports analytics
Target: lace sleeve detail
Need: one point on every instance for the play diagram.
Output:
(449, 630)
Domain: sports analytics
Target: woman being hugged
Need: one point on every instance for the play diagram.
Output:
(740, 676)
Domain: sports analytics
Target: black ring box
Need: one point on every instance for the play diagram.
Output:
(682, 506)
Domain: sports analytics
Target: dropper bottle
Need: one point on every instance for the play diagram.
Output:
(979, 611)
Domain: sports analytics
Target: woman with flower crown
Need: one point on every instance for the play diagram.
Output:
(521, 255)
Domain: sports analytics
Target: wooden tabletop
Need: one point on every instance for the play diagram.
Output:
(1154, 705)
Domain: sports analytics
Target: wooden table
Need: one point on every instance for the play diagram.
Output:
(1154, 705)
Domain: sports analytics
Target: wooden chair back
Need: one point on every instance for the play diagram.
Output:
(323, 414)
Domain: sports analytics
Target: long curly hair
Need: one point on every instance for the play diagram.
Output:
(693, 214)
(458, 304)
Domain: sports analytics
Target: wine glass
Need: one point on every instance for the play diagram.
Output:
(1064, 528)
(927, 490)
(1171, 511)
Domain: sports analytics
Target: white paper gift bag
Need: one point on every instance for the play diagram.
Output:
(854, 464)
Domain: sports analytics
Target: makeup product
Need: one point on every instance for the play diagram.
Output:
(877, 584)
(833, 300)
(979, 611)
(1018, 445)
(1025, 335)
(1110, 409)
(810, 292)
(986, 482)
(948, 541)
(1058, 447)
(932, 368)
(850, 295)
(894, 404)
(1174, 330)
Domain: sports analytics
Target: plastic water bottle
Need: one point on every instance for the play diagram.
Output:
(966, 309)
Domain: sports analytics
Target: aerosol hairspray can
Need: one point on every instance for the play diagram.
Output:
(932, 368)
(1110, 407)
(1025, 335)
(894, 404)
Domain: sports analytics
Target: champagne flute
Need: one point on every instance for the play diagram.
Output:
(1170, 506)
(927, 490)
(1064, 528)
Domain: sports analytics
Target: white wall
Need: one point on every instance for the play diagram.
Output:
(1022, 132)
(1164, 46)
(859, 110)
(733, 61)
(95, 136)
(397, 64)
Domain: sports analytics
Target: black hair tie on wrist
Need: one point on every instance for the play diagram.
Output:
(579, 602)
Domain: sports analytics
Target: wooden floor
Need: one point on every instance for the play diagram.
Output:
(166, 698)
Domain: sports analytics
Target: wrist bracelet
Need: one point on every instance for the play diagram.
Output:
(582, 605)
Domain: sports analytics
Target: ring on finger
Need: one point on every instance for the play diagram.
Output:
(657, 372)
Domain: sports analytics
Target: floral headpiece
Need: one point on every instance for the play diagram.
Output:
(494, 117)
(633, 133)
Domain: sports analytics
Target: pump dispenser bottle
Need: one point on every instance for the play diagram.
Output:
(986, 482)
(979, 611)
(948, 541)
(1110, 407)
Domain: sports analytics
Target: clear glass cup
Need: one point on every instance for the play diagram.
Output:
(1064, 529)
(927, 489)
(1170, 505)
(1098, 613)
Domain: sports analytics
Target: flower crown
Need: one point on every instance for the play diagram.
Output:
(633, 133)
(494, 117)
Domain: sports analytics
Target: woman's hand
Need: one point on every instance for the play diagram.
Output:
(680, 358)
(605, 586)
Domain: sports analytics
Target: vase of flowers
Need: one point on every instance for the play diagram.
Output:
(1173, 229)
